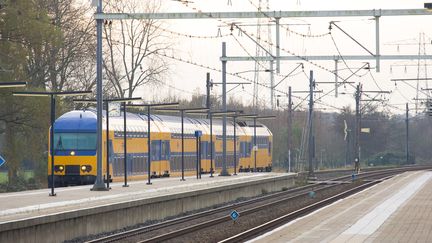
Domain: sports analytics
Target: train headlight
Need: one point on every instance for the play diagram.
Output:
(86, 168)
(58, 168)
(72, 153)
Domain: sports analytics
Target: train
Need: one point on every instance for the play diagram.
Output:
(75, 147)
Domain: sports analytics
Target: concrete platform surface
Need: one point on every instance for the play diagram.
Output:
(31, 204)
(396, 210)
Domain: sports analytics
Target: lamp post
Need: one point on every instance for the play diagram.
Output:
(52, 96)
(182, 112)
(149, 106)
(107, 102)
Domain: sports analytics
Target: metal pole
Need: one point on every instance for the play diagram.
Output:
(289, 160)
(235, 146)
(289, 127)
(255, 146)
(107, 144)
(211, 145)
(224, 171)
(124, 145)
(357, 132)
(52, 145)
(347, 156)
(208, 94)
(336, 78)
(407, 134)
(310, 143)
(377, 44)
(148, 145)
(277, 45)
(182, 139)
(197, 156)
(99, 184)
(272, 85)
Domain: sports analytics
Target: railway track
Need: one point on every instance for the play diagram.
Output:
(300, 200)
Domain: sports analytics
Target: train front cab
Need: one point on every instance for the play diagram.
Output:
(74, 149)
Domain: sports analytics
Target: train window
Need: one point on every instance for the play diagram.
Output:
(165, 150)
(156, 150)
(269, 148)
(75, 141)
(203, 149)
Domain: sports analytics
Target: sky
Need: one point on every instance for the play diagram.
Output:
(399, 35)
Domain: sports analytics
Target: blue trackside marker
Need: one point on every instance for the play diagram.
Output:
(2, 160)
(234, 215)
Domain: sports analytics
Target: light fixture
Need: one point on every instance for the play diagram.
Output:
(12, 84)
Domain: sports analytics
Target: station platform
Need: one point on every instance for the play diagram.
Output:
(396, 210)
(92, 212)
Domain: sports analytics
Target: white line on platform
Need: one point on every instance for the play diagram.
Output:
(323, 222)
(114, 184)
(369, 223)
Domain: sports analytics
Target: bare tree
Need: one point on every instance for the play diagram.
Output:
(131, 59)
(58, 64)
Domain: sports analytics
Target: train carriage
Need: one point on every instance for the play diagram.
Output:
(75, 147)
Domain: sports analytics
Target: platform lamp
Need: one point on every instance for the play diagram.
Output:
(211, 114)
(52, 96)
(149, 107)
(255, 118)
(13, 84)
(107, 102)
(182, 112)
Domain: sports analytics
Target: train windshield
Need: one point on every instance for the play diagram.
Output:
(74, 141)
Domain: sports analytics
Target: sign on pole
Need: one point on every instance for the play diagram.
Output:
(2, 160)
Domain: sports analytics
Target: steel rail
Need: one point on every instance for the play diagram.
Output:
(298, 190)
(203, 225)
(293, 215)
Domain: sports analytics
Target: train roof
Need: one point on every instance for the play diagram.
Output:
(74, 121)
(85, 121)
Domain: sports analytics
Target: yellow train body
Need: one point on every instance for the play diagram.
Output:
(75, 147)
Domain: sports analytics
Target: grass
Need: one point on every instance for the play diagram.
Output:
(4, 175)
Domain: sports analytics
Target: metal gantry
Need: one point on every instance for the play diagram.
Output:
(277, 15)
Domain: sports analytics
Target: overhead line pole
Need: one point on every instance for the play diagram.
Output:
(407, 133)
(289, 128)
(208, 86)
(99, 184)
(224, 171)
(311, 175)
(357, 130)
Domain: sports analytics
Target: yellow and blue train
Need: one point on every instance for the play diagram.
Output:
(75, 147)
